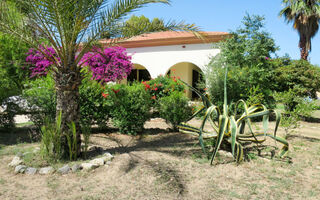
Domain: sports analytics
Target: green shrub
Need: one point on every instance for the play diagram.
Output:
(72, 141)
(163, 86)
(92, 107)
(175, 109)
(41, 98)
(248, 83)
(130, 107)
(295, 107)
(12, 75)
(51, 140)
(298, 75)
(86, 133)
(40, 94)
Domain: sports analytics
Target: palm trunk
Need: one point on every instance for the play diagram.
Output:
(304, 52)
(67, 93)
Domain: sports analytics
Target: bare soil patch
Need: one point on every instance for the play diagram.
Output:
(168, 165)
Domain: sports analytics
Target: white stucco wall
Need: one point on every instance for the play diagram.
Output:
(158, 60)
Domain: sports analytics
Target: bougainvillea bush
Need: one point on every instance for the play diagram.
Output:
(106, 65)
(101, 65)
(41, 60)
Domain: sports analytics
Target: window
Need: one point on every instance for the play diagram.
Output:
(139, 75)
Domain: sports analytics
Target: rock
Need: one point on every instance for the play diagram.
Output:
(15, 161)
(75, 167)
(225, 154)
(26, 153)
(107, 157)
(31, 171)
(36, 150)
(108, 162)
(95, 148)
(46, 170)
(64, 170)
(19, 154)
(88, 166)
(97, 161)
(20, 169)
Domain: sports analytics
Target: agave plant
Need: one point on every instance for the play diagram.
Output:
(231, 128)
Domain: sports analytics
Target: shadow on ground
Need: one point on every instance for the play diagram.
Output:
(15, 136)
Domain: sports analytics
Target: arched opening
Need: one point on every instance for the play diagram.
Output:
(189, 73)
(139, 73)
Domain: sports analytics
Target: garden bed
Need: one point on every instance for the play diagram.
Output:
(169, 165)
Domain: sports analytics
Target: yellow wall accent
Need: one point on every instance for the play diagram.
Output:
(184, 71)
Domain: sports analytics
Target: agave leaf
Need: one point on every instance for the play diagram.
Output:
(196, 113)
(186, 128)
(223, 122)
(283, 141)
(242, 127)
(206, 116)
(214, 125)
(278, 118)
(257, 141)
(239, 153)
(258, 114)
(265, 122)
(234, 131)
(239, 157)
(206, 102)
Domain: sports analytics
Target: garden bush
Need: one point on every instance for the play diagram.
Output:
(12, 75)
(92, 107)
(40, 95)
(174, 108)
(163, 86)
(299, 75)
(130, 107)
(295, 108)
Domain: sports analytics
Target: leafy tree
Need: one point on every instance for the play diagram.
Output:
(247, 54)
(11, 60)
(72, 28)
(305, 15)
(12, 75)
(295, 80)
(138, 25)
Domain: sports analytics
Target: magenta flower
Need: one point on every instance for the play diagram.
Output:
(41, 60)
(110, 64)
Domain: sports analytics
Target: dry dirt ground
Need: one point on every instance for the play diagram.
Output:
(168, 165)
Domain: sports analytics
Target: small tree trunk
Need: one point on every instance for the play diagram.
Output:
(67, 93)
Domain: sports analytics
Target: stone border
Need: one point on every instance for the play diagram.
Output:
(17, 164)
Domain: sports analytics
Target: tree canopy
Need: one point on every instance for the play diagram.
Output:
(305, 16)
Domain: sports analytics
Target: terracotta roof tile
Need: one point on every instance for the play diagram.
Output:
(171, 35)
(170, 38)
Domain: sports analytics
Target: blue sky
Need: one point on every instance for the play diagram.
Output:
(226, 15)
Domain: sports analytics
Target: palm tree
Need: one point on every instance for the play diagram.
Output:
(305, 15)
(72, 28)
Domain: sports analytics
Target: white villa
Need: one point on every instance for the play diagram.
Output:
(178, 53)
